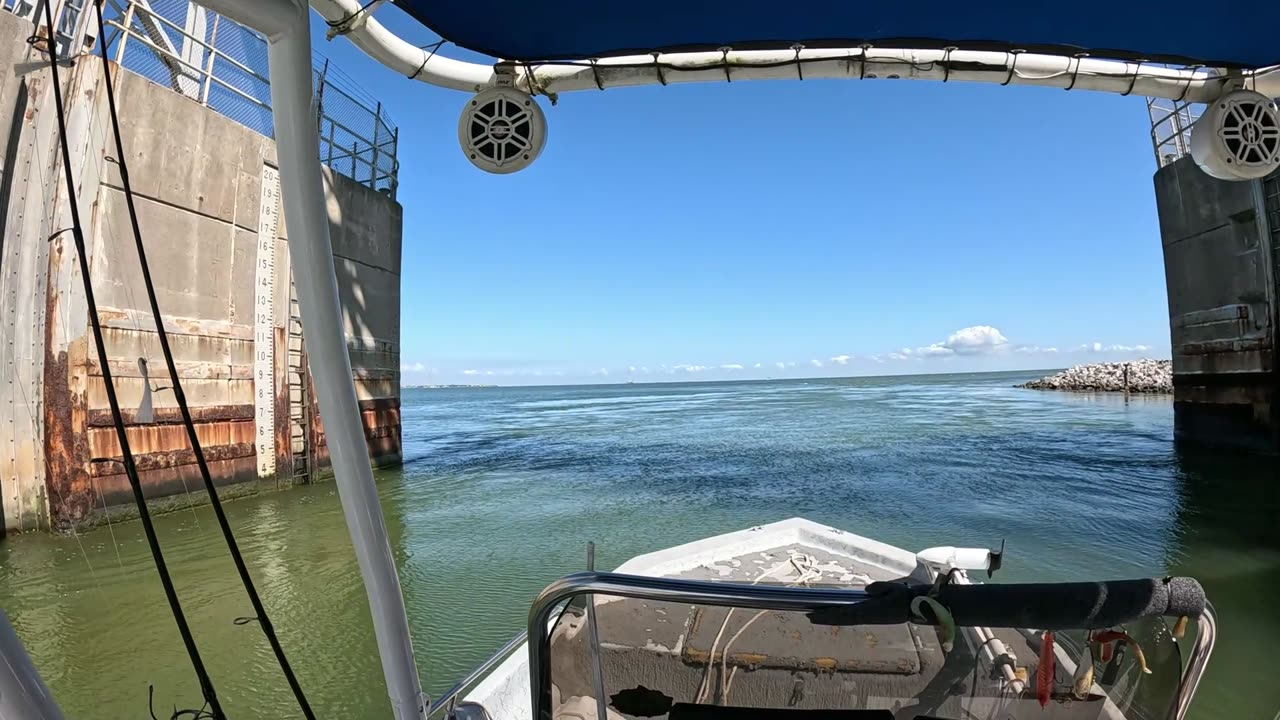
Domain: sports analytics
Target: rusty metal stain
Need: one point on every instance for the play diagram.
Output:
(283, 446)
(170, 415)
(171, 459)
(66, 446)
(827, 664)
(163, 438)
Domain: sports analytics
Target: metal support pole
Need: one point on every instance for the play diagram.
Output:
(355, 148)
(128, 30)
(311, 255)
(330, 161)
(213, 54)
(324, 74)
(373, 171)
(395, 161)
(23, 695)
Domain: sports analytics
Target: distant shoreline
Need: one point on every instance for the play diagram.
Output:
(731, 381)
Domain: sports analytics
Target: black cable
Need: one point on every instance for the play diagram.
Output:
(977, 660)
(337, 24)
(260, 612)
(130, 468)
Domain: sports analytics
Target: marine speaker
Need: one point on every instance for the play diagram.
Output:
(1238, 137)
(502, 130)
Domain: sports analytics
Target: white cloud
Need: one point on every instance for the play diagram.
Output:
(1098, 347)
(470, 372)
(816, 363)
(1035, 349)
(973, 340)
(412, 367)
(784, 365)
(601, 371)
(976, 340)
(756, 366)
(899, 356)
(689, 368)
(731, 366)
(840, 359)
(644, 369)
(935, 350)
(631, 368)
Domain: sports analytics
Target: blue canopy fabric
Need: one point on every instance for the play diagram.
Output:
(1241, 34)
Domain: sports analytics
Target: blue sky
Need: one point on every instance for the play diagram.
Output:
(776, 229)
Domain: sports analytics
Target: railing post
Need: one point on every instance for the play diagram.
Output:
(213, 54)
(329, 162)
(394, 174)
(355, 146)
(373, 171)
(124, 37)
(324, 73)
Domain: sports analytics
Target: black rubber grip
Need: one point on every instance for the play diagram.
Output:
(1044, 606)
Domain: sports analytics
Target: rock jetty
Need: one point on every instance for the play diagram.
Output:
(1144, 376)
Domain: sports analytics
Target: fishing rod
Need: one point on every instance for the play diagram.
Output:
(130, 468)
(260, 612)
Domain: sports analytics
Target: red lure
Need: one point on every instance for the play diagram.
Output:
(1044, 673)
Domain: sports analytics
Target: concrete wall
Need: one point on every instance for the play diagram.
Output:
(1220, 262)
(197, 181)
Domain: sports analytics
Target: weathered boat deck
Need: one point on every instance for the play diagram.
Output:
(655, 654)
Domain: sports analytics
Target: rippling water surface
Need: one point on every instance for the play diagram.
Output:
(502, 488)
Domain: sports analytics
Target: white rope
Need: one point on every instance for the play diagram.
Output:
(806, 567)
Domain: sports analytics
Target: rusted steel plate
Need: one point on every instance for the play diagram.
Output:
(162, 438)
(170, 415)
(170, 459)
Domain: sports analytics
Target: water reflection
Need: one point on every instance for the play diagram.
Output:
(1229, 538)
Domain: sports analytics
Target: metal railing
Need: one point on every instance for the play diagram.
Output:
(885, 610)
(1171, 123)
(223, 66)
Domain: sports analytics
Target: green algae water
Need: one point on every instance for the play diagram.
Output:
(502, 488)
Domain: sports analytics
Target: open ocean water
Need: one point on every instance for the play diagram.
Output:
(502, 487)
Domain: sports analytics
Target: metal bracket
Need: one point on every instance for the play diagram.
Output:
(504, 75)
(354, 21)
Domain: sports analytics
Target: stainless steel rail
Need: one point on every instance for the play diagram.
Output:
(1197, 661)
(756, 597)
(637, 587)
(448, 697)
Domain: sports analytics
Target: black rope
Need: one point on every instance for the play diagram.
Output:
(1013, 66)
(337, 24)
(131, 469)
(658, 67)
(181, 398)
(595, 71)
(427, 57)
(1134, 81)
(200, 714)
(1076, 75)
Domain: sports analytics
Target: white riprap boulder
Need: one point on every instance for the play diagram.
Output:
(1144, 376)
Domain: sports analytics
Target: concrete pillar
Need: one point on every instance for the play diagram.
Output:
(1220, 253)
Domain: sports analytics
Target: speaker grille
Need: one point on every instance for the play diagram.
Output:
(502, 130)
